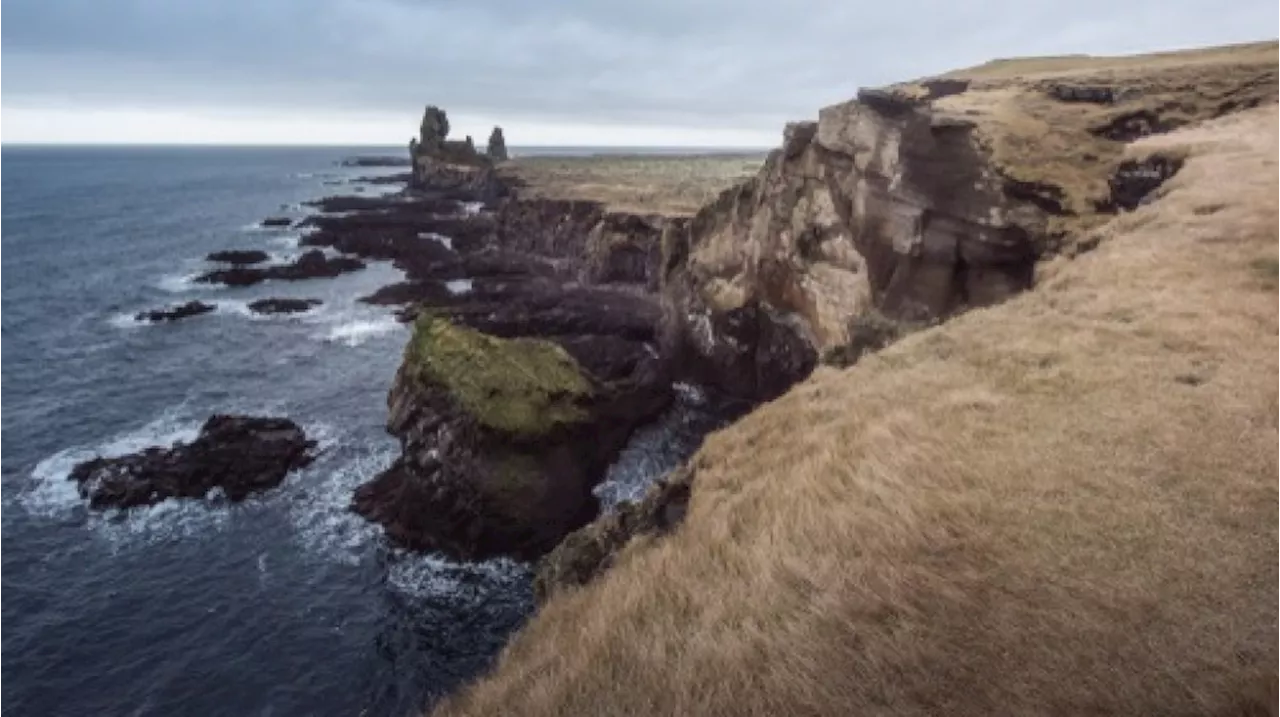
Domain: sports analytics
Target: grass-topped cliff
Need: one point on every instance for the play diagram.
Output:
(1060, 504)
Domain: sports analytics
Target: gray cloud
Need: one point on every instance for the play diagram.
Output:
(746, 64)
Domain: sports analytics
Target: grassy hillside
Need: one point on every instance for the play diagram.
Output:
(676, 185)
(1065, 504)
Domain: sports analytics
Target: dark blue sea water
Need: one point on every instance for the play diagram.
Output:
(286, 604)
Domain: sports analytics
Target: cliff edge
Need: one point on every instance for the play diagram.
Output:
(1060, 501)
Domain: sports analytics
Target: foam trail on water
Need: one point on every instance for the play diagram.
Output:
(354, 333)
(446, 242)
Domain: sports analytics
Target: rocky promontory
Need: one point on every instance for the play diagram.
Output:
(502, 441)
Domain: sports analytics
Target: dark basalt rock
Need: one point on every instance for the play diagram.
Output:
(944, 88)
(311, 265)
(1094, 94)
(173, 313)
(242, 455)
(1048, 197)
(376, 161)
(1135, 180)
(1134, 125)
(239, 256)
(502, 441)
(276, 222)
(283, 306)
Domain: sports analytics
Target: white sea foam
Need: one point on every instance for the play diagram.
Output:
(422, 576)
(286, 241)
(458, 286)
(445, 241)
(127, 320)
(180, 283)
(50, 493)
(472, 208)
(319, 501)
(356, 332)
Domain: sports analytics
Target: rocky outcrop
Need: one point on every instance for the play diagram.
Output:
(432, 147)
(173, 313)
(882, 204)
(311, 265)
(1135, 180)
(240, 455)
(496, 147)
(283, 306)
(502, 441)
(239, 256)
(592, 549)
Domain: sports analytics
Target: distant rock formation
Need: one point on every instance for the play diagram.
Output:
(432, 147)
(497, 146)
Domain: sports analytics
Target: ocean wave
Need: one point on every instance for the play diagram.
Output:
(319, 502)
(421, 576)
(446, 242)
(357, 331)
(181, 283)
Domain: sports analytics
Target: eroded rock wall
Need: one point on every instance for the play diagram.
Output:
(881, 204)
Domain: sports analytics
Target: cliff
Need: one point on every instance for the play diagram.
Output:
(1056, 496)
(919, 201)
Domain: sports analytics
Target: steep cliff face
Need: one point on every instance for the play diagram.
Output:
(919, 201)
(882, 203)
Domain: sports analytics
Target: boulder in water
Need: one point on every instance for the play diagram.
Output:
(283, 306)
(242, 455)
(239, 256)
(173, 313)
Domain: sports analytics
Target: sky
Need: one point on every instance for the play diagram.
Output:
(551, 72)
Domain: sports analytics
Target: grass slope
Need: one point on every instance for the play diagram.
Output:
(1065, 504)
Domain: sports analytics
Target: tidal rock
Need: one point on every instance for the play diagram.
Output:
(283, 306)
(241, 455)
(173, 313)
(501, 441)
(239, 256)
(311, 265)
(496, 148)
(276, 222)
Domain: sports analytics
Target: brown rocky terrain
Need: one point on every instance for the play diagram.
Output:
(1053, 493)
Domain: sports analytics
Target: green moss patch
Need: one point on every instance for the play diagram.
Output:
(526, 387)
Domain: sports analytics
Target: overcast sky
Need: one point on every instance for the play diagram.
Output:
(624, 72)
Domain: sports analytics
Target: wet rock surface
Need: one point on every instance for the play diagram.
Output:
(276, 222)
(241, 455)
(311, 265)
(283, 306)
(239, 256)
(173, 313)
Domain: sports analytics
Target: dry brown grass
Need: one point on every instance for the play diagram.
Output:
(676, 185)
(1065, 504)
(1030, 67)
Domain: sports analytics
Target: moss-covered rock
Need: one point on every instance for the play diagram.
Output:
(502, 440)
(526, 387)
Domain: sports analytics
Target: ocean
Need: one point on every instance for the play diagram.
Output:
(287, 603)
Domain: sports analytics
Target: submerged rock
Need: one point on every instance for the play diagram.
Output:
(313, 264)
(502, 441)
(276, 222)
(241, 455)
(173, 313)
(239, 256)
(283, 306)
